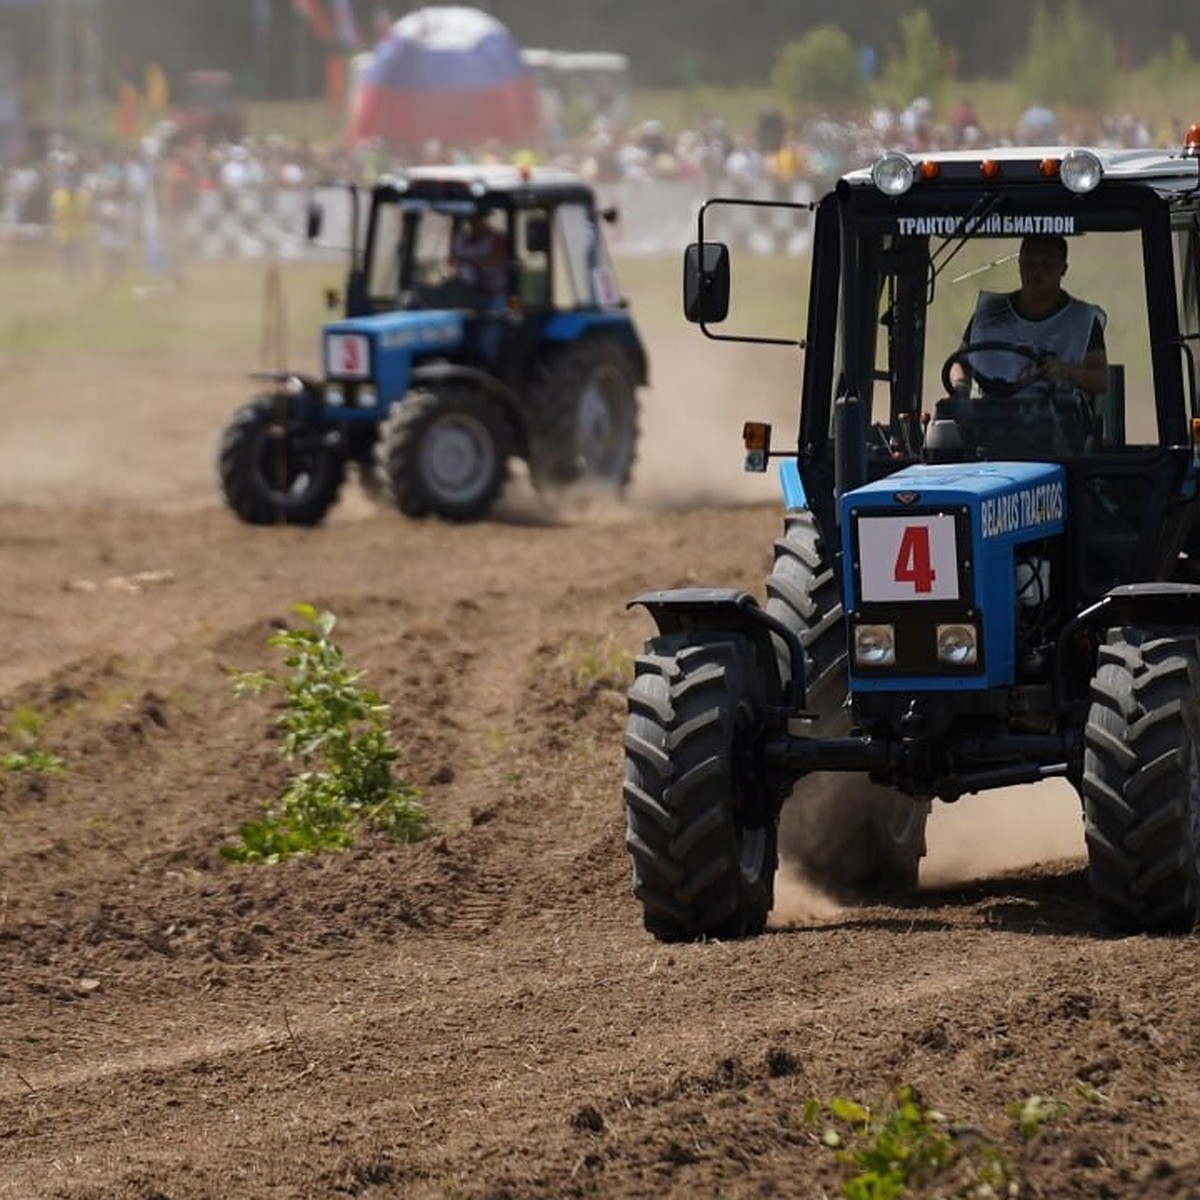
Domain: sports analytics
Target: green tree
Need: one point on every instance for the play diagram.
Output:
(1071, 58)
(917, 66)
(819, 70)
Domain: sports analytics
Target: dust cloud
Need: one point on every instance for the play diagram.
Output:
(1003, 830)
(701, 393)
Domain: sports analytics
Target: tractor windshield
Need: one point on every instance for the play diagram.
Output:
(1038, 343)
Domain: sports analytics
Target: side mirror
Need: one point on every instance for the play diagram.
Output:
(706, 282)
(537, 235)
(314, 220)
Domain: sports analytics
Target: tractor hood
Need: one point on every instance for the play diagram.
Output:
(940, 543)
(1015, 501)
(383, 346)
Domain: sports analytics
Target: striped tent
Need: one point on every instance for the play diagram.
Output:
(447, 73)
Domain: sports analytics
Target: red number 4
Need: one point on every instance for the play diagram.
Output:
(914, 563)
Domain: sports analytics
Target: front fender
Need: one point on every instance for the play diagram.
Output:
(727, 610)
(444, 371)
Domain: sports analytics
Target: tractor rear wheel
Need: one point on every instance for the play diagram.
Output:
(583, 416)
(844, 832)
(275, 467)
(444, 452)
(1141, 781)
(699, 825)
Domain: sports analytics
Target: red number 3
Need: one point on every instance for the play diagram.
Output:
(914, 563)
(349, 355)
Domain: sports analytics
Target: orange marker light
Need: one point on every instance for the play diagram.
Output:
(989, 168)
(1191, 141)
(929, 170)
(756, 435)
(1048, 168)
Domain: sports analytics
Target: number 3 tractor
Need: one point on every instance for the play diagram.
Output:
(444, 369)
(977, 585)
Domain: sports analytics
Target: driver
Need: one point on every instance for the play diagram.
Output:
(1066, 333)
(479, 257)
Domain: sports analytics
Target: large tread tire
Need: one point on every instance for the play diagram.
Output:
(1141, 781)
(274, 467)
(844, 833)
(699, 827)
(444, 452)
(583, 416)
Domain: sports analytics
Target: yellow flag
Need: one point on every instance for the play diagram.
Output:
(158, 90)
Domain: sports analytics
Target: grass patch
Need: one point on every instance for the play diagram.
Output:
(23, 751)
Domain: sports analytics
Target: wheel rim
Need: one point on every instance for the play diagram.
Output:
(287, 470)
(458, 458)
(601, 436)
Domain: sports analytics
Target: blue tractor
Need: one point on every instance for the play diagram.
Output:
(987, 576)
(433, 383)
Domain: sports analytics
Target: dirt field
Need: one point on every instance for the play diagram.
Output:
(482, 1015)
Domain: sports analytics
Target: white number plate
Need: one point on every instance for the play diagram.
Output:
(347, 356)
(908, 558)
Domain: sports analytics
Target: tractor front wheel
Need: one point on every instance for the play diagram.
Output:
(444, 451)
(1141, 782)
(276, 467)
(700, 827)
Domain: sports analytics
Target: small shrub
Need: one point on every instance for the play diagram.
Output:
(1071, 59)
(819, 69)
(25, 754)
(907, 1146)
(337, 730)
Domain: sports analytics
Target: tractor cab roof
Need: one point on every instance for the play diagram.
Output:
(488, 185)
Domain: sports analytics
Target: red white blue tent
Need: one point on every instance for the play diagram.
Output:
(449, 73)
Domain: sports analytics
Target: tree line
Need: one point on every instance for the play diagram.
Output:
(670, 43)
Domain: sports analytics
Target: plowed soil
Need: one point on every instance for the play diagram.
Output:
(482, 1015)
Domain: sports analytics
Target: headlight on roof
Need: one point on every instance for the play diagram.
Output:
(893, 173)
(875, 645)
(958, 645)
(1080, 170)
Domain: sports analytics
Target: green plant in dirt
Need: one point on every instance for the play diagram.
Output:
(907, 1145)
(1071, 59)
(337, 730)
(819, 69)
(24, 753)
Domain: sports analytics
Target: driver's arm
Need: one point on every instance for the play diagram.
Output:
(959, 375)
(1090, 376)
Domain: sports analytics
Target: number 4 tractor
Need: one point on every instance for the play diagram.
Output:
(436, 376)
(977, 584)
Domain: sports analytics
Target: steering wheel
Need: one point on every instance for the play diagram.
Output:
(990, 385)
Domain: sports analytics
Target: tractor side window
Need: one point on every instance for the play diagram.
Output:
(383, 271)
(1187, 281)
(431, 249)
(583, 274)
(533, 258)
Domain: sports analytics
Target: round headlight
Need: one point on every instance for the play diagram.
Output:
(957, 645)
(875, 645)
(893, 173)
(1080, 170)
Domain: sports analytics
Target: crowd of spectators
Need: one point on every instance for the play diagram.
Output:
(94, 202)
